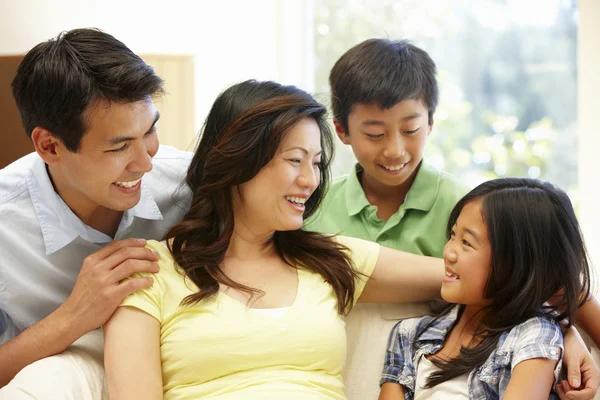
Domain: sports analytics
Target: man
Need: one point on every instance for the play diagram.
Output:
(96, 178)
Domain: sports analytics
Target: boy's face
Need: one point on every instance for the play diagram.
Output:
(388, 144)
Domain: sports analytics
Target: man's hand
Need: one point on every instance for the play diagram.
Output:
(100, 286)
(583, 376)
(98, 291)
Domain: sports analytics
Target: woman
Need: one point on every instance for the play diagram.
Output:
(246, 304)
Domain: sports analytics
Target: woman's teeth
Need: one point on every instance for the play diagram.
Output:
(296, 200)
(129, 184)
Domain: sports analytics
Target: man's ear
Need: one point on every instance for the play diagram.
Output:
(46, 145)
(339, 129)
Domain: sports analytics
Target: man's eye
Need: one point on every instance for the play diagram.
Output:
(123, 148)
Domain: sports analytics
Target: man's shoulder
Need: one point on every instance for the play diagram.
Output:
(13, 178)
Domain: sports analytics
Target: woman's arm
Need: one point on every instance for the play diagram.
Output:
(132, 355)
(531, 379)
(391, 391)
(401, 277)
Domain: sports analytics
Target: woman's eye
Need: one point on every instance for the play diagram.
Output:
(295, 160)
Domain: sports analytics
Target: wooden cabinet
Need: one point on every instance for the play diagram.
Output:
(14, 143)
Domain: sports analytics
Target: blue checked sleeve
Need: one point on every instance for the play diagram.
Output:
(398, 366)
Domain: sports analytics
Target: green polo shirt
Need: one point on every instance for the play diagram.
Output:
(419, 225)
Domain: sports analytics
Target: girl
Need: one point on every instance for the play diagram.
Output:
(514, 244)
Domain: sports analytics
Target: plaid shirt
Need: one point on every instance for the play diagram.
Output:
(537, 337)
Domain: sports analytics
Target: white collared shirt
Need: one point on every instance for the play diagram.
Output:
(43, 243)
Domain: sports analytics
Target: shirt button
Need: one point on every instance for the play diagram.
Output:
(494, 380)
(553, 352)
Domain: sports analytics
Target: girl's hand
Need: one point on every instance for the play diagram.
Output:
(582, 372)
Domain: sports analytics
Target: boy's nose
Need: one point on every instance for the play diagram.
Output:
(394, 149)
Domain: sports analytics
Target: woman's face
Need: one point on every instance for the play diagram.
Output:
(274, 199)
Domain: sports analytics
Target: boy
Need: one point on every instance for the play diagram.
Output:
(384, 94)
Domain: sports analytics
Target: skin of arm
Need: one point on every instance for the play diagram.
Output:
(401, 277)
(391, 391)
(531, 379)
(132, 355)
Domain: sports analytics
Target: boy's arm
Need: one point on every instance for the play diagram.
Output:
(97, 293)
(391, 391)
(531, 379)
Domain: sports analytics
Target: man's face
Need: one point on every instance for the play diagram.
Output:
(389, 143)
(114, 154)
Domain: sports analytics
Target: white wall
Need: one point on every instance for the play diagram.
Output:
(589, 125)
(231, 40)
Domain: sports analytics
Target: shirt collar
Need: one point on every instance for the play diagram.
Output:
(356, 199)
(437, 332)
(420, 196)
(60, 226)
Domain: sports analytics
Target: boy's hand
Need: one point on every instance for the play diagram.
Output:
(582, 372)
(100, 286)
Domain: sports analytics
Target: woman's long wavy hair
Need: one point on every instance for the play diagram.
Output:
(241, 135)
(539, 265)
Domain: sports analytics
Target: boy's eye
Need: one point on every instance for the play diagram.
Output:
(374, 136)
(123, 148)
(412, 132)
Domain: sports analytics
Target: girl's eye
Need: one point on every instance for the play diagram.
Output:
(466, 243)
(452, 234)
(377, 136)
(123, 148)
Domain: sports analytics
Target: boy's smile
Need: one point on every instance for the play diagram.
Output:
(389, 143)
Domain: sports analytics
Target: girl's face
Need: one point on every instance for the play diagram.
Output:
(467, 257)
(274, 199)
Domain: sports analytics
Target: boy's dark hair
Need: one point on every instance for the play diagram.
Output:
(384, 72)
(60, 78)
(537, 255)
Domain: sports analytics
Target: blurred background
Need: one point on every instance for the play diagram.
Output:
(518, 78)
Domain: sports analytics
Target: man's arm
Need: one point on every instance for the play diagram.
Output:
(98, 291)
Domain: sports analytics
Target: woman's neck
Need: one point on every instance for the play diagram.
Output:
(249, 245)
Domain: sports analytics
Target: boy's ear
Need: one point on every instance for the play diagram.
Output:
(339, 129)
(46, 145)
(430, 126)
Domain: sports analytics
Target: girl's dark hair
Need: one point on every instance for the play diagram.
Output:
(539, 264)
(241, 135)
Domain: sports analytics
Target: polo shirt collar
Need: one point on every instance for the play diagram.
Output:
(421, 195)
(356, 200)
(60, 226)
